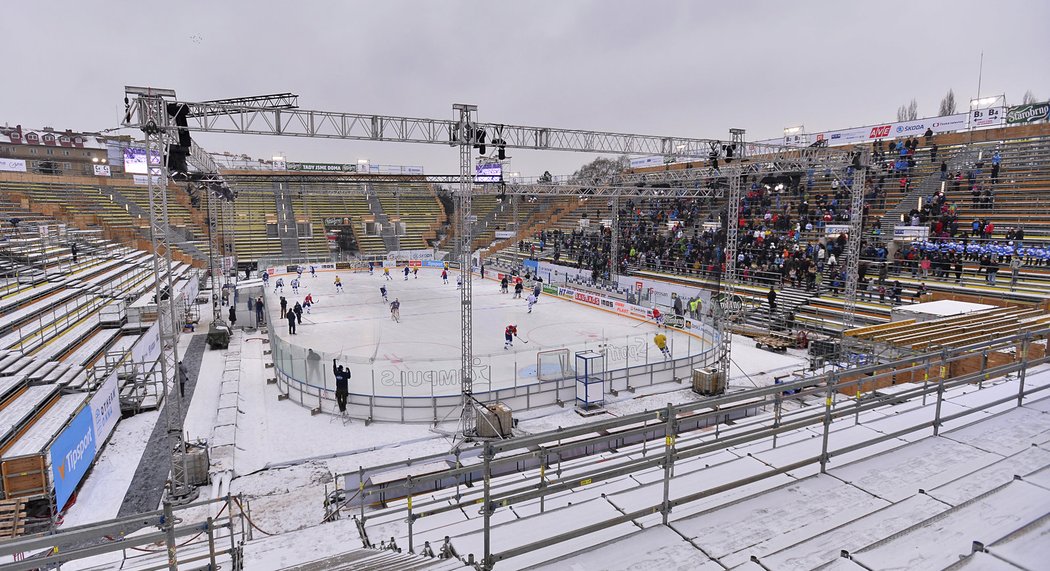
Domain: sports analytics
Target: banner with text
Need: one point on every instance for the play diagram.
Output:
(321, 167)
(1031, 113)
(12, 165)
(990, 117)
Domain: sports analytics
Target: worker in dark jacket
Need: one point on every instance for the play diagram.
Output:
(290, 316)
(772, 297)
(342, 385)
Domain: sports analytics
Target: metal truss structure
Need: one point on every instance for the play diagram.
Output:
(468, 416)
(278, 115)
(151, 111)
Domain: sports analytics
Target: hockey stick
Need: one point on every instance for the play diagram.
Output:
(520, 339)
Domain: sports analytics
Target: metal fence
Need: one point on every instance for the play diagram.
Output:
(428, 390)
(200, 535)
(673, 432)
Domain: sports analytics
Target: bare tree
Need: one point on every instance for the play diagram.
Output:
(947, 104)
(601, 168)
(908, 112)
(1028, 98)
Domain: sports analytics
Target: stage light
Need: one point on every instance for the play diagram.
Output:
(479, 141)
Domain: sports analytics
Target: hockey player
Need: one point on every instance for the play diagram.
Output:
(338, 284)
(386, 273)
(395, 310)
(295, 286)
(459, 282)
(266, 278)
(313, 271)
(532, 301)
(371, 268)
(658, 317)
(278, 286)
(444, 276)
(415, 273)
(406, 273)
(382, 290)
(661, 343)
(299, 271)
(308, 302)
(503, 283)
(509, 334)
(518, 287)
(536, 289)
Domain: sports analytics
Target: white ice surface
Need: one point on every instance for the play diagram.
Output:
(355, 326)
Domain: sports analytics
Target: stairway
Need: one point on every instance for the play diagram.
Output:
(927, 187)
(177, 236)
(390, 241)
(789, 300)
(287, 230)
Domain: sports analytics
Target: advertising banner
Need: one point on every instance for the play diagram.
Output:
(105, 408)
(410, 255)
(71, 455)
(836, 229)
(1031, 113)
(531, 265)
(142, 180)
(503, 234)
(911, 232)
(102, 170)
(12, 165)
(74, 449)
(147, 349)
(321, 167)
(651, 161)
(990, 117)
(433, 264)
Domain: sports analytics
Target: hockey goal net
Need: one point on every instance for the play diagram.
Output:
(553, 365)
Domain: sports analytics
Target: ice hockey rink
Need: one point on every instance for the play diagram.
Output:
(421, 353)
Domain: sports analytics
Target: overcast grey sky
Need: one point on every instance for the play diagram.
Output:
(644, 66)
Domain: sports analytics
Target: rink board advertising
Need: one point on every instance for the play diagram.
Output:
(73, 451)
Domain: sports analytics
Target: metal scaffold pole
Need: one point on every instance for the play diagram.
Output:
(465, 135)
(853, 243)
(729, 277)
(153, 117)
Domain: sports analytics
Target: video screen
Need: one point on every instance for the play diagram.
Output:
(485, 173)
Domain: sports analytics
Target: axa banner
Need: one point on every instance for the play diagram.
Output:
(1031, 113)
(71, 455)
(836, 229)
(989, 117)
(12, 165)
(433, 264)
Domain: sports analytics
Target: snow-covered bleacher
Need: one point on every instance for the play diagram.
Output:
(892, 490)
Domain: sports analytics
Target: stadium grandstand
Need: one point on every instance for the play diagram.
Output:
(906, 427)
